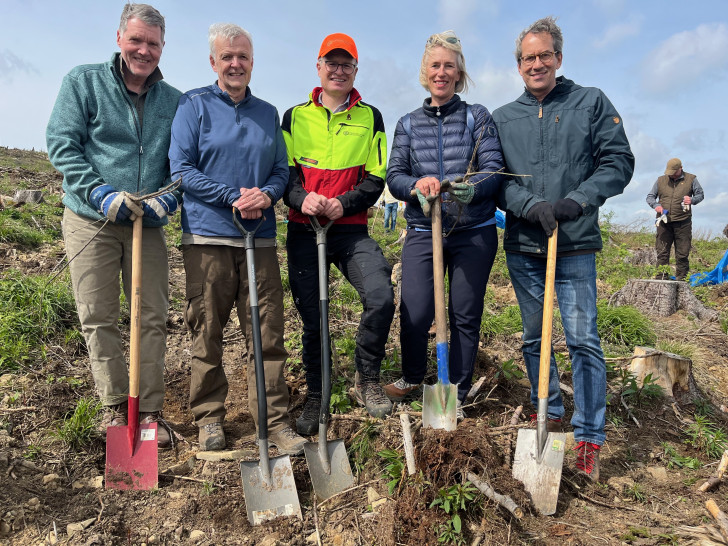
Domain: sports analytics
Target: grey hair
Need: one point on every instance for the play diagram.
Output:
(547, 24)
(445, 39)
(145, 13)
(229, 31)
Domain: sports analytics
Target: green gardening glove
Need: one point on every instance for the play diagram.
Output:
(463, 192)
(425, 202)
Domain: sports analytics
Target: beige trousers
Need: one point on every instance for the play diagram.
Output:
(95, 273)
(217, 279)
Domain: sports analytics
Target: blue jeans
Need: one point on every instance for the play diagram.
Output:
(576, 292)
(390, 216)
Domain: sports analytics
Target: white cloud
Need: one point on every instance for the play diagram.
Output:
(495, 87)
(686, 57)
(650, 153)
(615, 34)
(459, 14)
(11, 64)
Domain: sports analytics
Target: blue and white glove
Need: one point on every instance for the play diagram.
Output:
(117, 206)
(158, 207)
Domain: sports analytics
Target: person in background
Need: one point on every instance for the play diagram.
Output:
(445, 140)
(108, 135)
(337, 157)
(390, 204)
(672, 196)
(564, 177)
(228, 148)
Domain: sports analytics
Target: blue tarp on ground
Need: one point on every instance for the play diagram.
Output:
(717, 276)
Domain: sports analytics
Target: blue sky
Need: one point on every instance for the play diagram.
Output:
(664, 65)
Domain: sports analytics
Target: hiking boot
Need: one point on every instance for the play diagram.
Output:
(587, 460)
(400, 389)
(114, 416)
(164, 440)
(459, 413)
(308, 423)
(287, 441)
(212, 437)
(370, 394)
(552, 425)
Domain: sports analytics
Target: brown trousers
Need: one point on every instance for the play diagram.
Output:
(217, 279)
(679, 234)
(95, 272)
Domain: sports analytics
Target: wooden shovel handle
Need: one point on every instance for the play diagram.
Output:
(136, 307)
(438, 273)
(548, 317)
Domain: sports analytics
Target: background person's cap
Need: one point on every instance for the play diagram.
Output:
(672, 166)
(338, 41)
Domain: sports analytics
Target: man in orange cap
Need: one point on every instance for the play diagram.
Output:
(337, 158)
(672, 196)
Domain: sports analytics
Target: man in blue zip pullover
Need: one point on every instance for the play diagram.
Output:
(568, 148)
(108, 135)
(228, 147)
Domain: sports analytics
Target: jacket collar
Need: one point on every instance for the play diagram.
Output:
(444, 110)
(354, 97)
(224, 96)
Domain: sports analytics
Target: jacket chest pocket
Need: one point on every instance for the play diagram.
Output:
(351, 130)
(568, 136)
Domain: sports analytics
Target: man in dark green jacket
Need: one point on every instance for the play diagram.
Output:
(109, 136)
(567, 146)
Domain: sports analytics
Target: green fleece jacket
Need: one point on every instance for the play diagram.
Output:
(94, 136)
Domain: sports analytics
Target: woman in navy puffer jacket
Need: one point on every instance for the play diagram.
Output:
(433, 144)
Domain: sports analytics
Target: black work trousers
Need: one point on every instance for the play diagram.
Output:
(679, 234)
(363, 264)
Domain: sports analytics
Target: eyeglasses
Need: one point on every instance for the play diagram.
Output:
(547, 57)
(435, 38)
(346, 68)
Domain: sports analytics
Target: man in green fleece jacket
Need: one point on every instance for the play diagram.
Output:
(109, 135)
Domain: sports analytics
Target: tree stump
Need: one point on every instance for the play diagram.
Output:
(674, 373)
(659, 298)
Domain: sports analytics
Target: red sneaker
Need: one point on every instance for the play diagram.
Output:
(587, 460)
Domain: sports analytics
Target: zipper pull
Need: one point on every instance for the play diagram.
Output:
(438, 112)
(540, 110)
(141, 150)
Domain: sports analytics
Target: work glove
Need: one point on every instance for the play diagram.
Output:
(463, 192)
(425, 202)
(158, 207)
(117, 206)
(542, 213)
(567, 210)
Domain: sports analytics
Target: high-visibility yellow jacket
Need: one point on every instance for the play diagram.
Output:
(342, 155)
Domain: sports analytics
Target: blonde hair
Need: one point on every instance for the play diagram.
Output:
(449, 40)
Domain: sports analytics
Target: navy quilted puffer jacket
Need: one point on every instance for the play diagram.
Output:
(439, 143)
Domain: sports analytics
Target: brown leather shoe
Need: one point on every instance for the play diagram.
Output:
(400, 389)
(552, 425)
(164, 440)
(114, 416)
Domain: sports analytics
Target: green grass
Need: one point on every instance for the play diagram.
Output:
(31, 313)
(507, 322)
(624, 325)
(30, 226)
(78, 427)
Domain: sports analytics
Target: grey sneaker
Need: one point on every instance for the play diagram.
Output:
(287, 441)
(459, 413)
(163, 438)
(114, 416)
(370, 394)
(308, 423)
(400, 389)
(212, 437)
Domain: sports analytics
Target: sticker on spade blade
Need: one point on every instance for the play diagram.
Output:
(147, 434)
(557, 445)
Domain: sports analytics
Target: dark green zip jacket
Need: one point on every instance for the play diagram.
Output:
(94, 136)
(572, 145)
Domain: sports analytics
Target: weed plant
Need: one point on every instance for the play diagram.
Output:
(624, 325)
(675, 460)
(32, 310)
(454, 500)
(361, 449)
(77, 429)
(507, 322)
(393, 468)
(707, 436)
